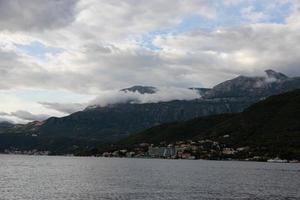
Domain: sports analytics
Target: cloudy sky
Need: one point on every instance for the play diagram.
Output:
(58, 55)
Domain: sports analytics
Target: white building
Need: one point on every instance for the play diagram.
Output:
(162, 152)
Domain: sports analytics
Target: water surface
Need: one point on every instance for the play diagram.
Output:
(82, 178)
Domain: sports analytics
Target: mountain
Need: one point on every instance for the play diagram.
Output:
(140, 89)
(23, 129)
(258, 87)
(276, 75)
(116, 121)
(88, 128)
(270, 127)
(201, 91)
(4, 125)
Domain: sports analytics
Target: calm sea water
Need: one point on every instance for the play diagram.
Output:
(78, 178)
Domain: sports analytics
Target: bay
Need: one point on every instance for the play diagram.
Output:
(83, 178)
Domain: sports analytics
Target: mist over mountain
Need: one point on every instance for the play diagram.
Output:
(240, 87)
(118, 114)
(243, 86)
(143, 94)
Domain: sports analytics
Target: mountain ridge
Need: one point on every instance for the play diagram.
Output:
(113, 122)
(260, 86)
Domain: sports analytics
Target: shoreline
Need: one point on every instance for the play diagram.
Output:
(148, 158)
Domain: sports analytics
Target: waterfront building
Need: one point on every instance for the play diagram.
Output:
(162, 152)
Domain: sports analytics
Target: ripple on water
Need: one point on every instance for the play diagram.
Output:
(77, 178)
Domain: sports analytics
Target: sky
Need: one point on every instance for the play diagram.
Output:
(57, 57)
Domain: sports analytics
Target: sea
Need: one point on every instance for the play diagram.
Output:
(24, 177)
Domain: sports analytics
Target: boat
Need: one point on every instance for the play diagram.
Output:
(277, 160)
(294, 161)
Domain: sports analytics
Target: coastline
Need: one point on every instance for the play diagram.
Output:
(146, 158)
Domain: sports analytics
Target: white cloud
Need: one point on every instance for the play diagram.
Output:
(101, 50)
(3, 119)
(99, 55)
(67, 108)
(22, 116)
(250, 14)
(119, 19)
(236, 50)
(110, 97)
(16, 109)
(163, 94)
(25, 115)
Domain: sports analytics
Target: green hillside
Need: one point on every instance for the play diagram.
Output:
(271, 127)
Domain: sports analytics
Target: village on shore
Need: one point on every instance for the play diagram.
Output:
(192, 150)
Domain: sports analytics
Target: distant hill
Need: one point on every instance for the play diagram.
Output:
(270, 127)
(4, 125)
(114, 122)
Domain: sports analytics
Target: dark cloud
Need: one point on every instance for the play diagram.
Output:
(35, 14)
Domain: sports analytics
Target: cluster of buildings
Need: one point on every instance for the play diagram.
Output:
(202, 149)
(27, 152)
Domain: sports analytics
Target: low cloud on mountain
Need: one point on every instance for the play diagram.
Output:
(161, 95)
(67, 108)
(22, 115)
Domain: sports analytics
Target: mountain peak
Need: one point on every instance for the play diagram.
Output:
(140, 89)
(257, 86)
(276, 75)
